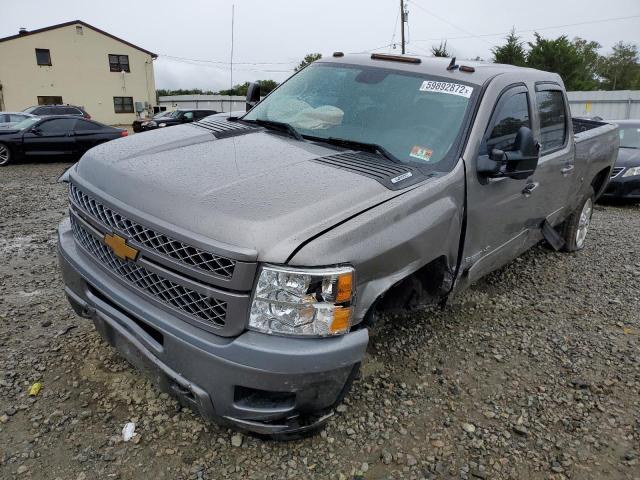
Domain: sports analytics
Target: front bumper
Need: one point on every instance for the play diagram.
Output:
(623, 188)
(256, 382)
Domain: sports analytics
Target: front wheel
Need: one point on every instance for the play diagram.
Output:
(5, 155)
(576, 226)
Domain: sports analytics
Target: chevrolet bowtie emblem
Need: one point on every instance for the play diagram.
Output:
(120, 248)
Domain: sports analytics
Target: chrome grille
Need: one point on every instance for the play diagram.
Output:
(616, 171)
(162, 244)
(194, 304)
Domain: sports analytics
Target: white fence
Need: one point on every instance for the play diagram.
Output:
(219, 103)
(610, 105)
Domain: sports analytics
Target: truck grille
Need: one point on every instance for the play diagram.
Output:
(162, 244)
(616, 171)
(194, 304)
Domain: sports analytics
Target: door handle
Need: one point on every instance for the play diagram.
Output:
(529, 188)
(566, 170)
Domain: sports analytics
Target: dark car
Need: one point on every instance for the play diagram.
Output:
(48, 110)
(53, 137)
(625, 176)
(169, 119)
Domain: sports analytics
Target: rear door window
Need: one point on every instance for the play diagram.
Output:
(511, 114)
(553, 119)
(84, 126)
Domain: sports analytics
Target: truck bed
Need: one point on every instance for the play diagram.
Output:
(596, 149)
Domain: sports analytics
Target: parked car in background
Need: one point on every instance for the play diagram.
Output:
(137, 124)
(47, 110)
(625, 177)
(170, 119)
(8, 119)
(53, 137)
(242, 261)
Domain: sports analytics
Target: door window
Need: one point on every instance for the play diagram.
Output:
(512, 114)
(58, 125)
(188, 116)
(553, 119)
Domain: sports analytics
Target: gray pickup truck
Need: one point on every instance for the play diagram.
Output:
(241, 261)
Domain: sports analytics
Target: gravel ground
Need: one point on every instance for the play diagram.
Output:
(532, 373)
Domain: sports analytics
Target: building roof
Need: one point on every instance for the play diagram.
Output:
(76, 22)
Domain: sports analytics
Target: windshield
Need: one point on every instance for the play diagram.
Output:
(416, 118)
(26, 123)
(629, 137)
(29, 110)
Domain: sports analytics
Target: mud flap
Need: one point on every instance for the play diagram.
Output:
(552, 237)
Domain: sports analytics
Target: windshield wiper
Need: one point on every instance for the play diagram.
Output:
(280, 126)
(367, 147)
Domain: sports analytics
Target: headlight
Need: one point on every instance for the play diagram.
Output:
(162, 124)
(632, 172)
(306, 302)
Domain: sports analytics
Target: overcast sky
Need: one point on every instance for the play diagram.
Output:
(283, 31)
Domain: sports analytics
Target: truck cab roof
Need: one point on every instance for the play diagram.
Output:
(482, 71)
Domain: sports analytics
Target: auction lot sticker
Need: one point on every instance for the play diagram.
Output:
(446, 87)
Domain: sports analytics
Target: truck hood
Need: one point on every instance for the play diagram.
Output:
(259, 193)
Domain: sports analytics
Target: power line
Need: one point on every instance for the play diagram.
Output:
(532, 30)
(225, 62)
(446, 21)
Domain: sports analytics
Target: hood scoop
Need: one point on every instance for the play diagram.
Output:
(225, 128)
(392, 175)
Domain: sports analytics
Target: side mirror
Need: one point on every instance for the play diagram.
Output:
(253, 96)
(519, 163)
(36, 131)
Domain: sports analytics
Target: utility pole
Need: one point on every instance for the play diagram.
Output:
(402, 18)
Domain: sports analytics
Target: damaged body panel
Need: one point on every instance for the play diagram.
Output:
(237, 261)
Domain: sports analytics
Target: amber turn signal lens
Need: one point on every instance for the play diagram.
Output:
(341, 319)
(345, 287)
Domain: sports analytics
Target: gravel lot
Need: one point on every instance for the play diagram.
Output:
(533, 373)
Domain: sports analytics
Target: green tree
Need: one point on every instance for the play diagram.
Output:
(587, 77)
(440, 50)
(512, 52)
(620, 70)
(266, 86)
(308, 59)
(559, 56)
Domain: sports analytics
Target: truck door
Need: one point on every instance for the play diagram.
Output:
(499, 212)
(555, 174)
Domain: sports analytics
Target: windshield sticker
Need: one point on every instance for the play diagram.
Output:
(446, 87)
(421, 153)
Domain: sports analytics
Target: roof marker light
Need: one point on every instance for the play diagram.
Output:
(395, 58)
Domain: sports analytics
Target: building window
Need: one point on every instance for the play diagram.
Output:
(43, 56)
(79, 30)
(119, 63)
(49, 100)
(123, 104)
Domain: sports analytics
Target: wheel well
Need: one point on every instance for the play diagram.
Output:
(427, 285)
(600, 180)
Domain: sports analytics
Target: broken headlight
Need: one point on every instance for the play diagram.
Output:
(303, 301)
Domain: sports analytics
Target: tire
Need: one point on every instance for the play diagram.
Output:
(576, 226)
(5, 155)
